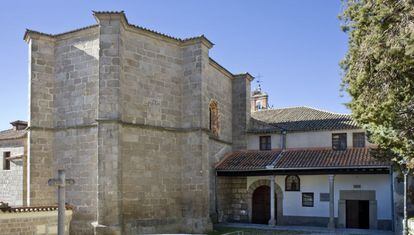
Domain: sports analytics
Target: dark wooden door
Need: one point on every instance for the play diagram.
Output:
(261, 205)
(357, 214)
(363, 214)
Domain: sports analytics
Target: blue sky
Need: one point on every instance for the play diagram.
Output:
(295, 45)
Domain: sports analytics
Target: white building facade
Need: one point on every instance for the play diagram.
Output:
(317, 168)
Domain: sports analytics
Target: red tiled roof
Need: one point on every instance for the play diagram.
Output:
(299, 159)
(248, 160)
(326, 158)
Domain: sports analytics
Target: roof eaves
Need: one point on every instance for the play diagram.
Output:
(33, 34)
(246, 74)
(36, 34)
(220, 67)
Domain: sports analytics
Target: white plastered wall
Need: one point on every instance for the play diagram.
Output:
(292, 201)
(254, 144)
(309, 139)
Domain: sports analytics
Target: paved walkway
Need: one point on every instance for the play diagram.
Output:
(308, 229)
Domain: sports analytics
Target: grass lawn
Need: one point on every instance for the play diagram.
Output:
(251, 231)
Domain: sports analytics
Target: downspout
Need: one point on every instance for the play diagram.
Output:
(392, 200)
(283, 140)
(215, 195)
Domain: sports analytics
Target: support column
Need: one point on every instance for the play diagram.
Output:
(272, 220)
(331, 223)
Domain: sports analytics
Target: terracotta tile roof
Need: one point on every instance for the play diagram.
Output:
(299, 159)
(303, 119)
(248, 160)
(12, 134)
(326, 158)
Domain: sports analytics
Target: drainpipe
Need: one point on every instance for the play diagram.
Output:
(283, 140)
(392, 200)
(215, 196)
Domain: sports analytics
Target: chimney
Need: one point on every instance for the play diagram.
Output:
(19, 125)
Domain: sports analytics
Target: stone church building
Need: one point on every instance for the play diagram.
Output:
(126, 112)
(161, 138)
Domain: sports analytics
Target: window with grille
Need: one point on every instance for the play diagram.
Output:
(292, 183)
(6, 161)
(358, 140)
(307, 199)
(265, 143)
(339, 141)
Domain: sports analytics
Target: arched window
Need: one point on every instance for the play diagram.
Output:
(258, 105)
(292, 183)
(214, 117)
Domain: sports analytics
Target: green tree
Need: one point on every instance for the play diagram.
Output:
(378, 72)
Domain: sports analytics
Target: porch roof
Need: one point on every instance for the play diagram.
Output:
(305, 160)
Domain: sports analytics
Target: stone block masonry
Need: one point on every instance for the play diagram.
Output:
(125, 111)
(12, 181)
(37, 223)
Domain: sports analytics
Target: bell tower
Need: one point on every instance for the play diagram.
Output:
(259, 98)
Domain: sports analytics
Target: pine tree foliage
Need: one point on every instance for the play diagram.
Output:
(378, 72)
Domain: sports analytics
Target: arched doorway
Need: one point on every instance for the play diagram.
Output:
(261, 205)
(278, 199)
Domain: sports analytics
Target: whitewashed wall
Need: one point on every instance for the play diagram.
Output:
(254, 144)
(310, 139)
(292, 201)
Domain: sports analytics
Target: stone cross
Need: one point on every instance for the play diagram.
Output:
(61, 182)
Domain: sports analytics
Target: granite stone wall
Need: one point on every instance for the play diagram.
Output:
(75, 151)
(151, 180)
(40, 144)
(12, 181)
(232, 199)
(36, 223)
(126, 112)
(241, 110)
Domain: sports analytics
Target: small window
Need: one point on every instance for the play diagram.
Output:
(258, 105)
(6, 161)
(292, 183)
(339, 141)
(358, 140)
(265, 143)
(214, 117)
(307, 199)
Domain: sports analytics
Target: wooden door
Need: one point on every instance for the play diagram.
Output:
(363, 214)
(357, 214)
(261, 205)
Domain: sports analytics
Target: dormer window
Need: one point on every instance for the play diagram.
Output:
(214, 117)
(339, 141)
